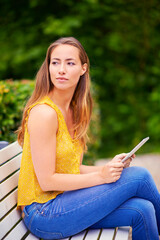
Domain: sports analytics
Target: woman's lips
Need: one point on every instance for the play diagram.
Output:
(62, 79)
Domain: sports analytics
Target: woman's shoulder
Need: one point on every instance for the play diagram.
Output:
(43, 111)
(42, 116)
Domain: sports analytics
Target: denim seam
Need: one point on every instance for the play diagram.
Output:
(31, 220)
(152, 192)
(30, 210)
(142, 217)
(55, 233)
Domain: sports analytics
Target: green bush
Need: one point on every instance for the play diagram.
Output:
(13, 97)
(129, 112)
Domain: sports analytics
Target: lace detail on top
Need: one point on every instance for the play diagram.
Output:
(68, 153)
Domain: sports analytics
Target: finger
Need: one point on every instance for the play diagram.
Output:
(121, 156)
(117, 164)
(116, 178)
(128, 161)
(118, 170)
(127, 164)
(115, 175)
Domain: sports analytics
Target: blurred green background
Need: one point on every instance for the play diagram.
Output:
(122, 40)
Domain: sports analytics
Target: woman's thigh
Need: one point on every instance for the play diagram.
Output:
(134, 182)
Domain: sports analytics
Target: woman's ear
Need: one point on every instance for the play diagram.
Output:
(84, 68)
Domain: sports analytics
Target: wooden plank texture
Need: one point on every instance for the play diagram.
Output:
(122, 233)
(9, 184)
(9, 221)
(9, 152)
(10, 167)
(9, 202)
(18, 232)
(92, 234)
(107, 234)
(79, 236)
(31, 237)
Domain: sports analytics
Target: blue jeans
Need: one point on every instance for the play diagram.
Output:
(131, 201)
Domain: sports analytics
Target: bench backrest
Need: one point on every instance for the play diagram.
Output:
(11, 226)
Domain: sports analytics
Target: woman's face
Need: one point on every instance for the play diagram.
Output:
(65, 67)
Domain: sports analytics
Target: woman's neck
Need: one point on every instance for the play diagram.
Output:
(61, 98)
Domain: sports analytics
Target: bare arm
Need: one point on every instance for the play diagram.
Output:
(43, 125)
(88, 169)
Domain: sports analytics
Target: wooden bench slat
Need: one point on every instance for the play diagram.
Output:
(9, 152)
(10, 167)
(107, 234)
(92, 234)
(18, 232)
(9, 202)
(79, 236)
(122, 233)
(31, 237)
(9, 184)
(9, 221)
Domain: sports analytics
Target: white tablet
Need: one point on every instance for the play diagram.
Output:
(135, 149)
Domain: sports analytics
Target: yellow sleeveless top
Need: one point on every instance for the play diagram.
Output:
(68, 153)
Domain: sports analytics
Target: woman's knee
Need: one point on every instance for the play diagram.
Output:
(143, 212)
(137, 173)
(145, 174)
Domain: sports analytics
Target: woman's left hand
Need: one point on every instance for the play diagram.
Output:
(128, 162)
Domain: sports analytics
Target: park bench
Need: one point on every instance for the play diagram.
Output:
(12, 226)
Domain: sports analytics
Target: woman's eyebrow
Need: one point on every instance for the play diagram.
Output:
(67, 59)
(55, 59)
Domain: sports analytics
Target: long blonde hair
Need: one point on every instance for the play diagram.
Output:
(81, 102)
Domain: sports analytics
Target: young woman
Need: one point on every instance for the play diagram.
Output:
(60, 196)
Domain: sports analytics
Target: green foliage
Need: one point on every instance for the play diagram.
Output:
(94, 138)
(122, 41)
(13, 96)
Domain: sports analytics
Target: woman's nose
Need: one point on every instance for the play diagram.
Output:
(62, 69)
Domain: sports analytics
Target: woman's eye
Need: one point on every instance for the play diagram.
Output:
(54, 63)
(71, 63)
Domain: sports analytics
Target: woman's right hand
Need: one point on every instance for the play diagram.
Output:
(112, 170)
